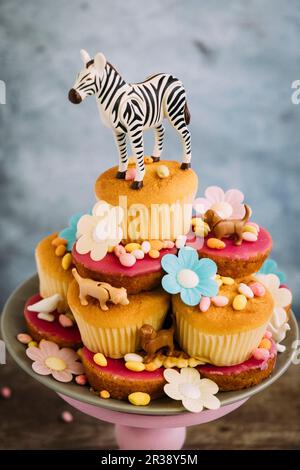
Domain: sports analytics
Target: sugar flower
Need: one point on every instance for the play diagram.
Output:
(189, 276)
(69, 233)
(194, 392)
(271, 267)
(49, 359)
(228, 205)
(100, 231)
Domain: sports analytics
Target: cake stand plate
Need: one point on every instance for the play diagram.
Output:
(163, 421)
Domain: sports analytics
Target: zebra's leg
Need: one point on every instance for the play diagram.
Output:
(137, 145)
(179, 124)
(120, 140)
(159, 133)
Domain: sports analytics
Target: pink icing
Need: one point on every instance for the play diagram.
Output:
(70, 334)
(117, 367)
(244, 251)
(250, 364)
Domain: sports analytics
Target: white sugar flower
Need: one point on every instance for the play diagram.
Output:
(98, 232)
(194, 392)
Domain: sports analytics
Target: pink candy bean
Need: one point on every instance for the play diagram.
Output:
(81, 379)
(168, 244)
(119, 250)
(65, 321)
(127, 260)
(130, 174)
(268, 334)
(24, 338)
(261, 354)
(67, 417)
(220, 300)
(138, 254)
(249, 237)
(257, 289)
(5, 392)
(146, 246)
(204, 304)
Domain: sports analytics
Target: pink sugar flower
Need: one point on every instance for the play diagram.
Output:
(228, 205)
(49, 359)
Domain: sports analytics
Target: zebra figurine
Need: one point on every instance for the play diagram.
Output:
(130, 108)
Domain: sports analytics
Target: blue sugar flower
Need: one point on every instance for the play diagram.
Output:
(69, 233)
(189, 276)
(270, 267)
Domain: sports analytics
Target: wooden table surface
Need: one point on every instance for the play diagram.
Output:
(31, 419)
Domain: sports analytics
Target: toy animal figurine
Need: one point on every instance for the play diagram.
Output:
(130, 108)
(152, 341)
(101, 291)
(223, 228)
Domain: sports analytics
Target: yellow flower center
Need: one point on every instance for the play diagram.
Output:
(55, 363)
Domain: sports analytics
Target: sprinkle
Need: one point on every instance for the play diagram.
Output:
(239, 302)
(154, 254)
(32, 344)
(127, 260)
(250, 228)
(162, 171)
(168, 244)
(135, 366)
(24, 338)
(133, 357)
(204, 304)
(156, 245)
(65, 321)
(104, 394)
(130, 174)
(245, 290)
(66, 261)
(228, 281)
(138, 254)
(219, 282)
(265, 344)
(81, 379)
(119, 250)
(100, 359)
(132, 246)
(257, 289)
(5, 392)
(215, 243)
(268, 334)
(46, 317)
(220, 300)
(139, 398)
(58, 241)
(193, 362)
(180, 241)
(253, 224)
(131, 161)
(261, 354)
(249, 237)
(67, 417)
(146, 246)
(154, 365)
(148, 160)
(60, 250)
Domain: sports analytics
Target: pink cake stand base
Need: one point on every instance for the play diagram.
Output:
(151, 432)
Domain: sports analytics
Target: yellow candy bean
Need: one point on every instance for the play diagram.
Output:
(139, 398)
(239, 302)
(135, 366)
(156, 245)
(155, 364)
(162, 171)
(132, 246)
(181, 362)
(193, 362)
(250, 228)
(66, 261)
(32, 344)
(265, 344)
(104, 394)
(100, 359)
(154, 254)
(60, 250)
(215, 243)
(228, 281)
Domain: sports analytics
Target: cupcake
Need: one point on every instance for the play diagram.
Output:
(114, 332)
(54, 268)
(224, 335)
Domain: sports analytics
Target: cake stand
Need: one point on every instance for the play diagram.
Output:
(160, 425)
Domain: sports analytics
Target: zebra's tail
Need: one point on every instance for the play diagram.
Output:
(187, 114)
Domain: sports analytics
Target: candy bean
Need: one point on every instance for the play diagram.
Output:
(127, 260)
(5, 392)
(24, 338)
(154, 365)
(58, 241)
(193, 362)
(133, 357)
(253, 224)
(46, 316)
(181, 362)
(32, 344)
(104, 394)
(245, 290)
(146, 246)
(135, 366)
(265, 344)
(257, 289)
(138, 254)
(239, 302)
(65, 321)
(81, 379)
(250, 228)
(219, 282)
(261, 354)
(162, 171)
(249, 237)
(180, 241)
(130, 174)
(268, 334)
(60, 250)
(220, 300)
(228, 281)
(148, 160)
(168, 244)
(156, 245)
(132, 246)
(204, 304)
(215, 244)
(139, 398)
(119, 250)
(67, 417)
(154, 254)
(131, 161)
(100, 359)
(66, 261)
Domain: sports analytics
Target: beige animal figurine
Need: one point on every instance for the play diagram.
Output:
(152, 341)
(101, 291)
(224, 228)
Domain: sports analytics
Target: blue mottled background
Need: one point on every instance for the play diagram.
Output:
(237, 60)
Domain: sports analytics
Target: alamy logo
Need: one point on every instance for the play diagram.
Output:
(2, 352)
(296, 94)
(2, 92)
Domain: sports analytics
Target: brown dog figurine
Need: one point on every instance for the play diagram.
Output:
(102, 291)
(223, 228)
(152, 341)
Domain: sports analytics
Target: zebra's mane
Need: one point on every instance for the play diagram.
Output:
(90, 62)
